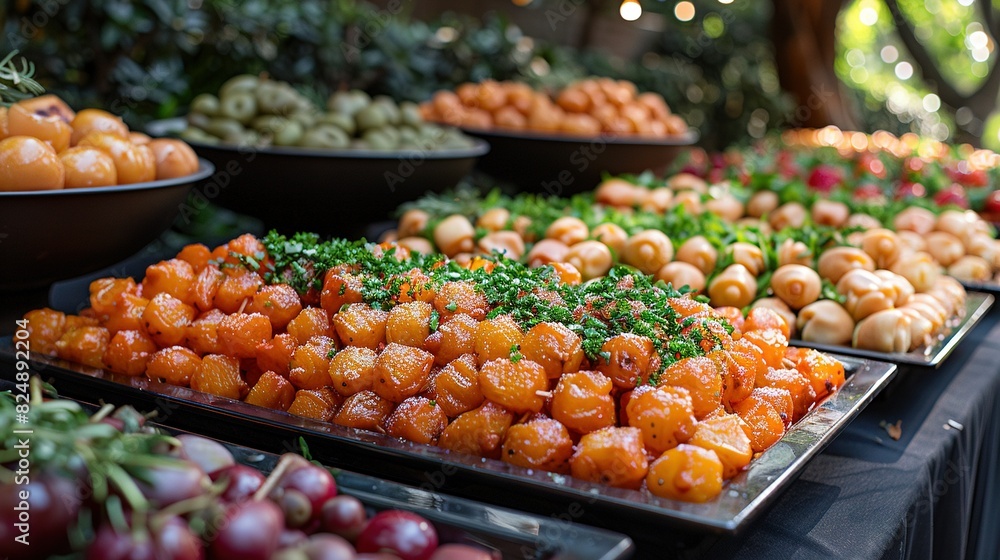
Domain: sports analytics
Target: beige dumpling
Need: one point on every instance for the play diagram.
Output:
(648, 251)
(592, 258)
(794, 252)
(920, 269)
(830, 213)
(618, 192)
(725, 206)
(494, 219)
(886, 331)
(863, 221)
(882, 245)
(680, 274)
(687, 181)
(454, 235)
(762, 202)
(412, 223)
(749, 255)
(734, 286)
(658, 200)
(836, 262)
(568, 229)
(825, 322)
(915, 219)
(959, 223)
(944, 247)
(416, 245)
(796, 285)
(690, 201)
(921, 329)
(506, 242)
(611, 235)
(912, 239)
(788, 215)
(547, 251)
(932, 313)
(971, 268)
(699, 252)
(895, 286)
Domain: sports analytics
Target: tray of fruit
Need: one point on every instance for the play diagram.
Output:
(836, 277)
(282, 152)
(629, 395)
(562, 142)
(79, 191)
(133, 489)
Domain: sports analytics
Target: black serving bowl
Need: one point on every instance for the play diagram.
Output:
(336, 192)
(47, 236)
(562, 165)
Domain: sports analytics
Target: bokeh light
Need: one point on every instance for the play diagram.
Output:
(684, 11)
(630, 10)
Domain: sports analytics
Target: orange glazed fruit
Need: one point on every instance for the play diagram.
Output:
(135, 164)
(88, 167)
(96, 120)
(541, 443)
(50, 128)
(173, 158)
(29, 164)
(686, 472)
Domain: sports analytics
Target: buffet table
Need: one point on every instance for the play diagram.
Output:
(933, 493)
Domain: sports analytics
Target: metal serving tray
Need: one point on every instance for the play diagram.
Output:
(433, 468)
(976, 306)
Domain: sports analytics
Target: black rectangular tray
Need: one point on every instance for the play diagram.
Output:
(433, 468)
(934, 354)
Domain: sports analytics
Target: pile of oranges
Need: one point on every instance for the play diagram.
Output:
(584, 108)
(45, 145)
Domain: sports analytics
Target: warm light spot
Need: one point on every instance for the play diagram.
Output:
(868, 16)
(977, 40)
(684, 11)
(521, 2)
(630, 10)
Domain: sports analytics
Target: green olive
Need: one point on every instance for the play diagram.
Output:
(340, 120)
(243, 82)
(223, 127)
(289, 133)
(359, 144)
(240, 106)
(307, 119)
(379, 140)
(410, 113)
(407, 134)
(372, 116)
(389, 107)
(197, 135)
(244, 138)
(325, 136)
(206, 104)
(267, 124)
(392, 133)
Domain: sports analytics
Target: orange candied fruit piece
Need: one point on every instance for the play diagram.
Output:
(272, 391)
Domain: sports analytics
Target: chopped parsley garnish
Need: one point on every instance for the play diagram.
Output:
(624, 301)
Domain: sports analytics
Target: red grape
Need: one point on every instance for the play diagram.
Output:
(345, 516)
(109, 544)
(295, 504)
(175, 541)
(315, 482)
(329, 547)
(167, 484)
(53, 504)
(406, 534)
(243, 482)
(250, 531)
(462, 552)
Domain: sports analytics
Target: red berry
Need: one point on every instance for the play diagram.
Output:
(824, 178)
(952, 194)
(406, 534)
(992, 203)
